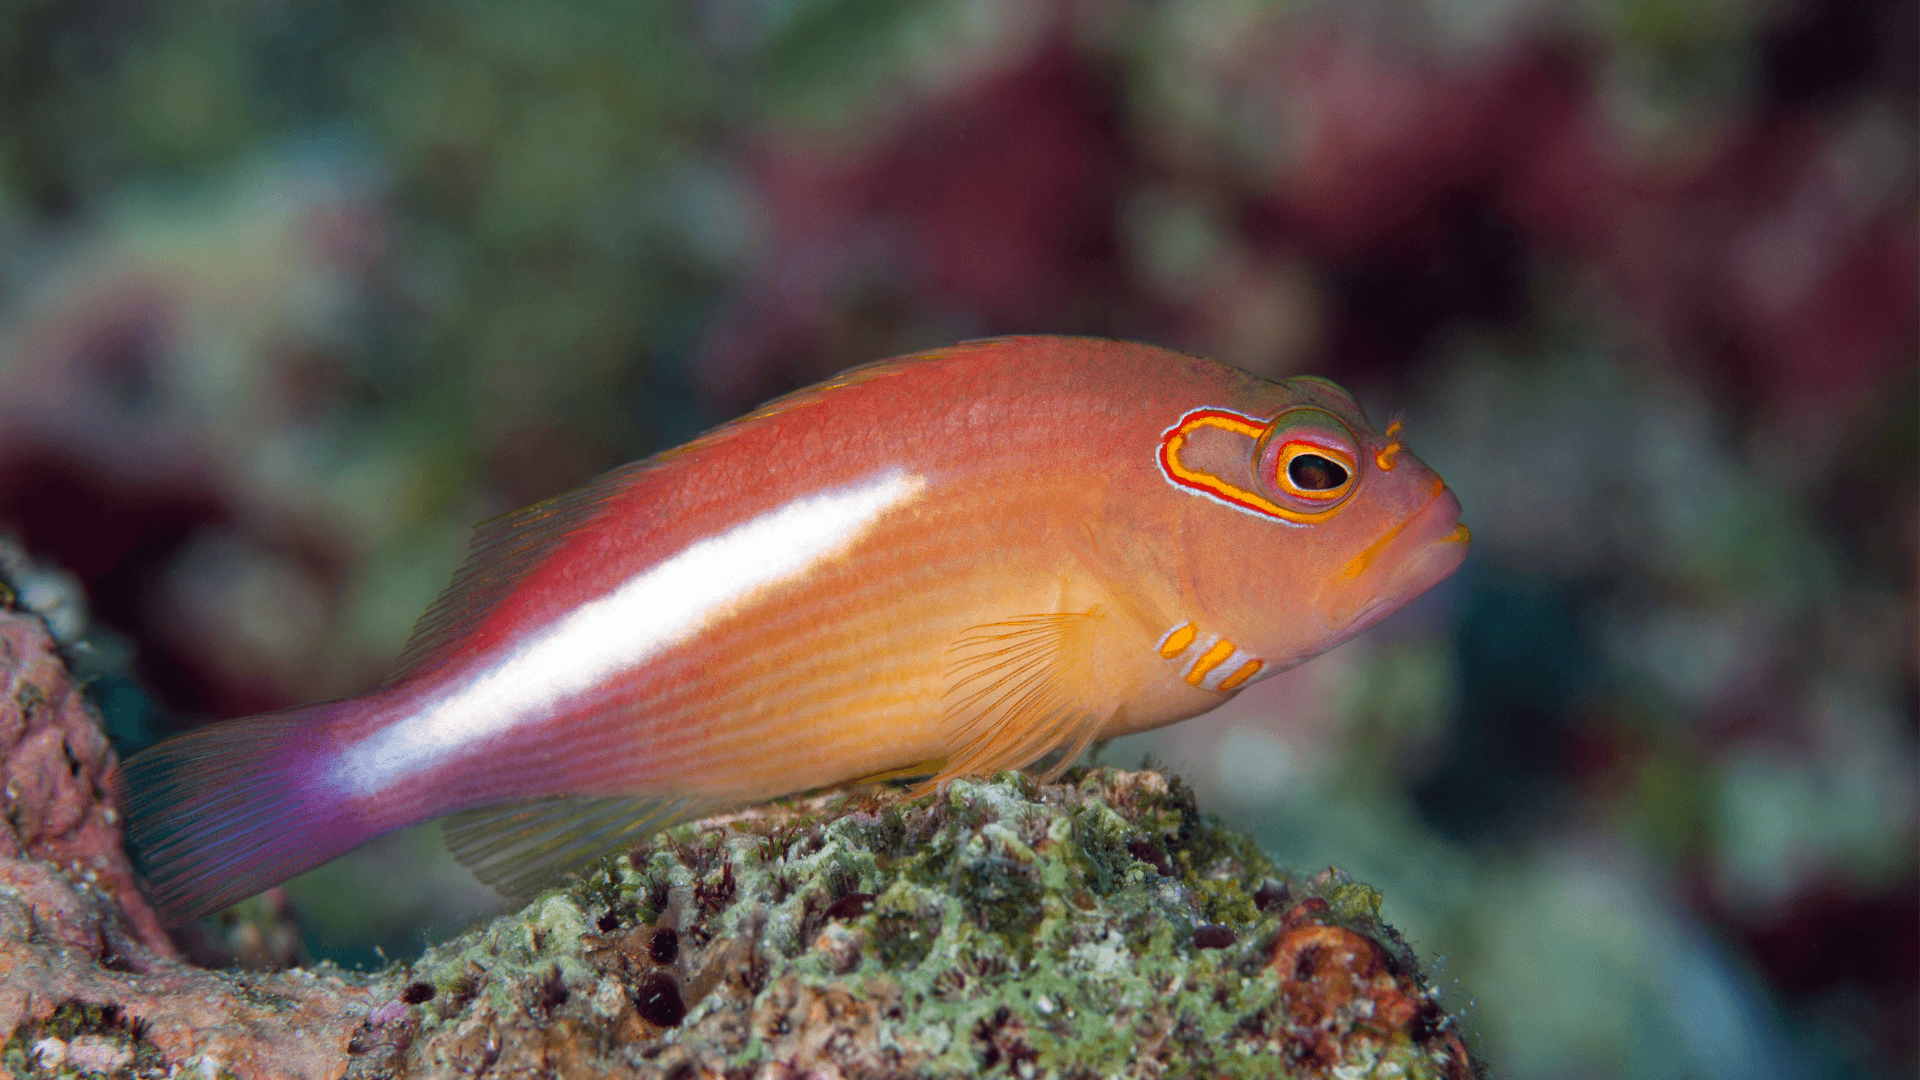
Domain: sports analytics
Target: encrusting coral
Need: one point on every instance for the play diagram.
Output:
(1100, 926)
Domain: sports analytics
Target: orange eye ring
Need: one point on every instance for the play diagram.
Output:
(1309, 457)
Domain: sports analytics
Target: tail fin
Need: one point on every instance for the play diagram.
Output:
(231, 809)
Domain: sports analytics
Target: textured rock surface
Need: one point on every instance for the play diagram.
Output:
(1097, 927)
(54, 768)
(89, 982)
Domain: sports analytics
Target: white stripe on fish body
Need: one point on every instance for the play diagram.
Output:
(659, 608)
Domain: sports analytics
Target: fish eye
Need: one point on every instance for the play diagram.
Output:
(1312, 472)
(1308, 458)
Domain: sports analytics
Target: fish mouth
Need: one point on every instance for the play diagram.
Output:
(1411, 558)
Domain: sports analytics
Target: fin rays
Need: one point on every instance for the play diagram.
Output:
(220, 813)
(1019, 689)
(518, 846)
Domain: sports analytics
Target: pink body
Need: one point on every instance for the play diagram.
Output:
(964, 560)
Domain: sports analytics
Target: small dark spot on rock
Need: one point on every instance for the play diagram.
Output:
(113, 961)
(657, 896)
(714, 895)
(417, 993)
(464, 988)
(850, 906)
(657, 999)
(1308, 965)
(664, 945)
(1427, 1023)
(840, 881)
(1270, 895)
(1147, 852)
(607, 922)
(1003, 1035)
(1213, 936)
(755, 971)
(549, 993)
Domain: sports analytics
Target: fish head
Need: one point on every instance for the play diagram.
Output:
(1347, 525)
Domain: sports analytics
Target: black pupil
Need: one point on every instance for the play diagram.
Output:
(1311, 472)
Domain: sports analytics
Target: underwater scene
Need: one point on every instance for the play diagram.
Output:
(294, 293)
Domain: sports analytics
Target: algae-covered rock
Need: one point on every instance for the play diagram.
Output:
(1096, 927)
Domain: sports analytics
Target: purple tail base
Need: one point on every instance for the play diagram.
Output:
(229, 810)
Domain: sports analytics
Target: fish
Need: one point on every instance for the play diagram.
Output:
(976, 558)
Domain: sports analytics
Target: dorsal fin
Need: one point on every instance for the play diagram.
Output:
(506, 549)
(1020, 689)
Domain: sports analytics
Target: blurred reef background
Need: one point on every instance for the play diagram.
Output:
(292, 292)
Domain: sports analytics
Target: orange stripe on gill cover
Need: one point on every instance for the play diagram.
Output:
(1208, 661)
(1247, 671)
(1211, 486)
(1177, 640)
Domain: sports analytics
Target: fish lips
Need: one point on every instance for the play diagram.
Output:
(1414, 556)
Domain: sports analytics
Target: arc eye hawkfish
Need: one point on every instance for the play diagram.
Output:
(975, 558)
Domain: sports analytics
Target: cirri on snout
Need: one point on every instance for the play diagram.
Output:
(972, 559)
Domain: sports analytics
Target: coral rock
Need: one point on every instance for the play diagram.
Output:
(88, 978)
(1099, 926)
(55, 766)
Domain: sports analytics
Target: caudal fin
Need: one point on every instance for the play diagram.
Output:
(221, 813)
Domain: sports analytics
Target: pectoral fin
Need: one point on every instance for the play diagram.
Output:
(1021, 688)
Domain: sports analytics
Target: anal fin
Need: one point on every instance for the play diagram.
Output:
(901, 772)
(1020, 689)
(516, 847)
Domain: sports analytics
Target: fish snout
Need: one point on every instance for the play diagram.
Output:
(1411, 558)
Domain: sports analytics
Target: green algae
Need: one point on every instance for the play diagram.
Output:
(1001, 927)
(74, 1020)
